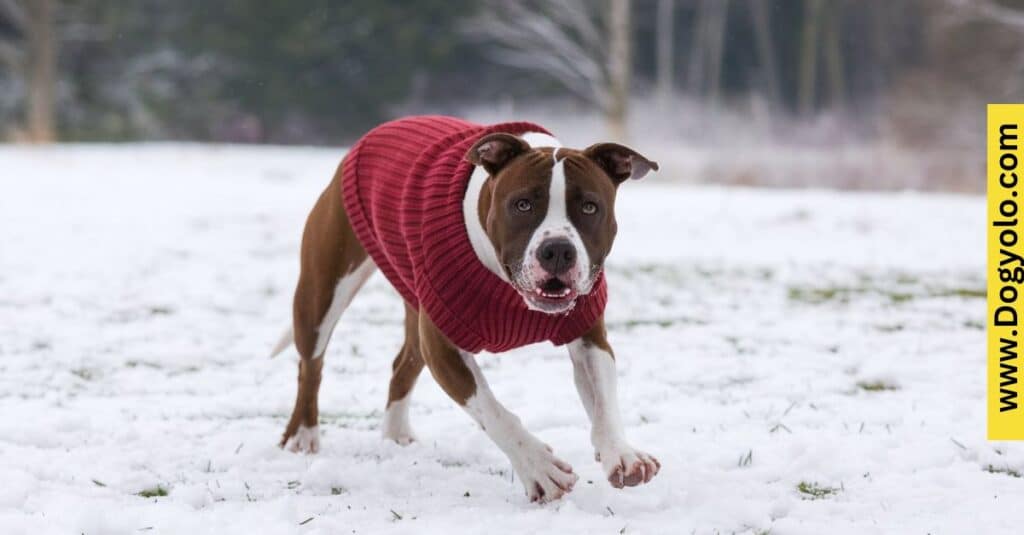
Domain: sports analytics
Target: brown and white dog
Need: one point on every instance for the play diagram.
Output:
(560, 190)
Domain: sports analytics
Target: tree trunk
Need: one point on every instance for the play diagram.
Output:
(665, 61)
(42, 72)
(834, 56)
(880, 54)
(808, 57)
(695, 74)
(766, 50)
(619, 68)
(716, 47)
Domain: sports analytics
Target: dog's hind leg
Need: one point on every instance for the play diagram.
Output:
(404, 371)
(333, 268)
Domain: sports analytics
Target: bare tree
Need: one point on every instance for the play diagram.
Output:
(570, 41)
(619, 68)
(809, 56)
(989, 10)
(665, 60)
(716, 48)
(765, 49)
(42, 72)
(834, 54)
(708, 48)
(1002, 24)
(31, 54)
(695, 66)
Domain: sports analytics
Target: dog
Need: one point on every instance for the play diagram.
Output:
(495, 236)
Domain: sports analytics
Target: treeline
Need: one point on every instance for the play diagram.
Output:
(321, 71)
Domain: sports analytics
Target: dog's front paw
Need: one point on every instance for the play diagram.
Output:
(545, 477)
(396, 426)
(627, 467)
(400, 436)
(305, 440)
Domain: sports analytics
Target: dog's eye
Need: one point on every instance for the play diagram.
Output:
(589, 208)
(524, 205)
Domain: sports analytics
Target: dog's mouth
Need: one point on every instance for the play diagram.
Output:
(553, 295)
(553, 289)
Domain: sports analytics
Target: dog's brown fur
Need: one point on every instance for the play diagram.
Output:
(331, 251)
(409, 363)
(587, 172)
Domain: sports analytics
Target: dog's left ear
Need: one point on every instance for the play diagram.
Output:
(494, 151)
(619, 161)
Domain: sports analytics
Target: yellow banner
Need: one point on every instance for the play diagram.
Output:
(1005, 271)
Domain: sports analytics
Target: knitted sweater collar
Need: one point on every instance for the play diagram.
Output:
(464, 298)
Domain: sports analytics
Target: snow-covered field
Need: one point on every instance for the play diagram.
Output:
(800, 362)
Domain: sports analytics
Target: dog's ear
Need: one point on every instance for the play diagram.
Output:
(619, 161)
(494, 151)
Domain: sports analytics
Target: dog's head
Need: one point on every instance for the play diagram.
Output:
(550, 213)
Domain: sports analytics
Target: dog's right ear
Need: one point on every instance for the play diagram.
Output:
(494, 151)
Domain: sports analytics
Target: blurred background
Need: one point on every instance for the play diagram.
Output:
(821, 93)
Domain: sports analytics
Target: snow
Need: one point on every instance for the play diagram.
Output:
(764, 338)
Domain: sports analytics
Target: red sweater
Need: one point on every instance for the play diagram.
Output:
(403, 185)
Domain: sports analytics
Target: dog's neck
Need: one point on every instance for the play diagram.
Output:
(472, 214)
(474, 209)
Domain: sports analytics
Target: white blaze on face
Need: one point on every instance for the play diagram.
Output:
(557, 225)
(537, 139)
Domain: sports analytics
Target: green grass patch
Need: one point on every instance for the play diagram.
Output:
(898, 297)
(84, 374)
(965, 293)
(907, 279)
(876, 386)
(153, 492)
(142, 363)
(651, 322)
(1002, 470)
(844, 294)
(817, 296)
(738, 346)
(814, 491)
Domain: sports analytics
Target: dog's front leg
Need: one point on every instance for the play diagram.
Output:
(544, 476)
(594, 371)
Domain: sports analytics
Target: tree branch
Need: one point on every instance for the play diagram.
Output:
(11, 11)
(559, 39)
(999, 13)
(10, 55)
(990, 11)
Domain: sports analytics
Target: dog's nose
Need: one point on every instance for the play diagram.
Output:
(556, 255)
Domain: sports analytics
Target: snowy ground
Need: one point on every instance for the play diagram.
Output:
(768, 342)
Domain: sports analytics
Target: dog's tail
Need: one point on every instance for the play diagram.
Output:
(287, 337)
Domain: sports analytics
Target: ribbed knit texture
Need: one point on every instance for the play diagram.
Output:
(403, 185)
